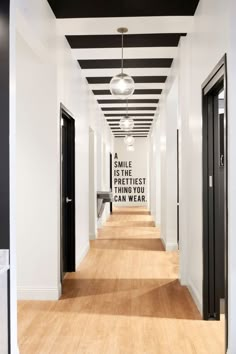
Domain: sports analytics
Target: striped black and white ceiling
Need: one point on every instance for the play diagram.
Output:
(149, 50)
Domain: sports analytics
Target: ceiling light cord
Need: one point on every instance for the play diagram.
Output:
(122, 53)
(122, 85)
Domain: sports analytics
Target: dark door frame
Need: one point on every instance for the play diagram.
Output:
(4, 140)
(65, 114)
(111, 180)
(177, 187)
(217, 77)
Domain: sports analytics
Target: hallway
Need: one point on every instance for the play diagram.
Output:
(125, 298)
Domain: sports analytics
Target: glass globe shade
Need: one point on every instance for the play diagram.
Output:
(130, 148)
(126, 123)
(122, 86)
(129, 140)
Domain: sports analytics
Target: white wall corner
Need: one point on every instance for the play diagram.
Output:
(152, 214)
(40, 294)
(183, 279)
(104, 218)
(196, 296)
(80, 257)
(93, 237)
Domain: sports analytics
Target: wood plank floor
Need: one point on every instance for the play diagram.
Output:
(124, 299)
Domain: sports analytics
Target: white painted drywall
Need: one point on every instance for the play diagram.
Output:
(92, 186)
(155, 172)
(199, 53)
(48, 75)
(140, 166)
(168, 127)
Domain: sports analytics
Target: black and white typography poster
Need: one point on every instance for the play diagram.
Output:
(128, 186)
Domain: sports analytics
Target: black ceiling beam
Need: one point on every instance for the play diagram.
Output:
(137, 79)
(130, 40)
(122, 8)
(131, 131)
(130, 109)
(135, 119)
(131, 115)
(135, 136)
(134, 128)
(135, 124)
(136, 92)
(128, 63)
(146, 130)
(129, 101)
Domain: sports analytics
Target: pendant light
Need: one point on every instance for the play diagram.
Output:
(129, 140)
(130, 148)
(126, 123)
(122, 85)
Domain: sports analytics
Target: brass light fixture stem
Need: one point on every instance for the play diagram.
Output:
(122, 30)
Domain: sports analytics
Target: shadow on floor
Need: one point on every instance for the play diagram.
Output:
(131, 213)
(162, 298)
(129, 224)
(128, 244)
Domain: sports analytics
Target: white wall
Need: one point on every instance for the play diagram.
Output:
(168, 147)
(140, 165)
(47, 75)
(181, 107)
(212, 40)
(212, 36)
(92, 185)
(155, 172)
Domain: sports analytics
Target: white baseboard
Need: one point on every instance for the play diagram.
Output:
(196, 296)
(103, 219)
(92, 237)
(169, 247)
(80, 257)
(40, 294)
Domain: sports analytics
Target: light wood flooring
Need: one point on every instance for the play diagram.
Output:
(124, 299)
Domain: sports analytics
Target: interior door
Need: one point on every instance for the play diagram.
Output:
(5, 272)
(67, 193)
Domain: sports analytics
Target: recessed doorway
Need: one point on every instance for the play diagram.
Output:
(67, 192)
(215, 254)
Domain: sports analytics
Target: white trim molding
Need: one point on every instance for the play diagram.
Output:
(80, 257)
(169, 247)
(196, 296)
(41, 294)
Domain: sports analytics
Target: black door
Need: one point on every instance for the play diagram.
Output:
(215, 195)
(67, 193)
(178, 186)
(111, 184)
(4, 175)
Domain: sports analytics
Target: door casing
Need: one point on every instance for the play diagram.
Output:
(68, 264)
(5, 143)
(211, 310)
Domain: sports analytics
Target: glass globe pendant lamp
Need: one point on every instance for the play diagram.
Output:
(122, 85)
(130, 148)
(129, 140)
(126, 123)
